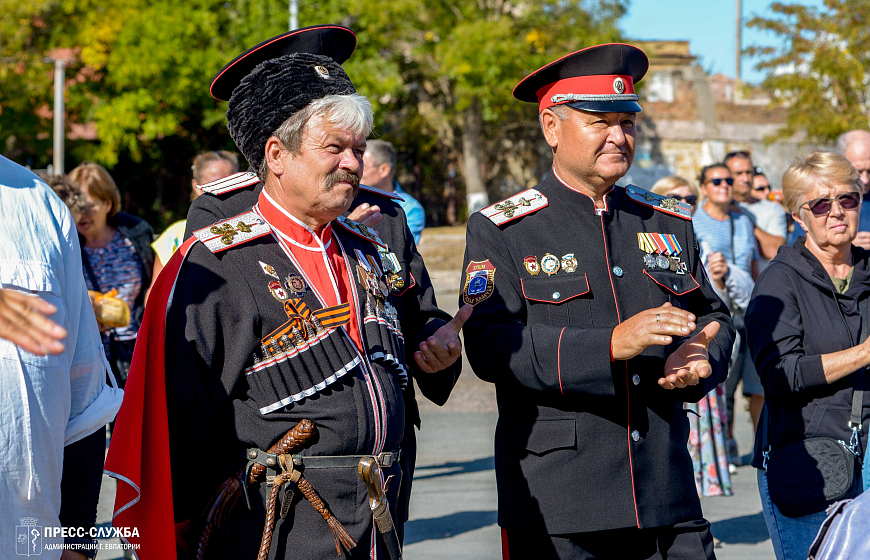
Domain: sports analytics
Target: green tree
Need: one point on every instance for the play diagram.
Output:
(440, 75)
(821, 72)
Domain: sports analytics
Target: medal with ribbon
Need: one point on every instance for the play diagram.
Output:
(661, 251)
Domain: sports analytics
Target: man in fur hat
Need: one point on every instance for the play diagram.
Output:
(279, 317)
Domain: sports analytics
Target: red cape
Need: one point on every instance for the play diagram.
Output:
(139, 452)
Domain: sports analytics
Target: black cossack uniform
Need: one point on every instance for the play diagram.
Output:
(584, 443)
(415, 301)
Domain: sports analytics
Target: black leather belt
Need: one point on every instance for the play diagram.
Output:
(385, 459)
(270, 460)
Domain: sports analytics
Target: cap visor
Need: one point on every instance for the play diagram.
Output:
(606, 106)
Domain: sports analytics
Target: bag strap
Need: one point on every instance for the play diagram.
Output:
(733, 253)
(858, 391)
(90, 271)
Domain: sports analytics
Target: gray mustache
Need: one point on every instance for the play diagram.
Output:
(341, 176)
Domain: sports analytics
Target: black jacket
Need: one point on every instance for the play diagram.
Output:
(226, 393)
(795, 317)
(584, 443)
(418, 311)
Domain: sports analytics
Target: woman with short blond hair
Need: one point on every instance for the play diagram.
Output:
(674, 186)
(805, 329)
(116, 254)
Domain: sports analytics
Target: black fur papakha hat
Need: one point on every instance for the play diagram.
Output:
(334, 41)
(275, 90)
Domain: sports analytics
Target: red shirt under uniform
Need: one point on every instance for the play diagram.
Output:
(317, 255)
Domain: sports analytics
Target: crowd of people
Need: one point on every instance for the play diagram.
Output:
(284, 326)
(800, 348)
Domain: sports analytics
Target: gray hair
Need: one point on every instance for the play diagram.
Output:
(350, 112)
(205, 158)
(382, 152)
(560, 111)
(847, 138)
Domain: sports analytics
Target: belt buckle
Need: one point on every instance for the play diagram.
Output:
(385, 459)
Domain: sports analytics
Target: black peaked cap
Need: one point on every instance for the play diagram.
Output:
(334, 41)
(275, 90)
(598, 60)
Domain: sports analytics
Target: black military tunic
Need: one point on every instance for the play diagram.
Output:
(584, 443)
(231, 387)
(415, 302)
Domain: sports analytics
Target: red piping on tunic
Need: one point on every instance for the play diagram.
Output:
(604, 198)
(314, 265)
(627, 386)
(559, 359)
(672, 291)
(564, 299)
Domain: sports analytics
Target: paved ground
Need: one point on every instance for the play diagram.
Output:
(453, 507)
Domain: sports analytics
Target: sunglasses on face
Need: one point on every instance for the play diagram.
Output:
(762, 188)
(729, 181)
(690, 200)
(822, 206)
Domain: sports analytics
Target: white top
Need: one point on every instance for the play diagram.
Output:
(768, 216)
(46, 402)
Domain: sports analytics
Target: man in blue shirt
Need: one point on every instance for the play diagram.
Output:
(379, 168)
(855, 146)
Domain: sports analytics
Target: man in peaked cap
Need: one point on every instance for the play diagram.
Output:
(274, 349)
(595, 321)
(410, 283)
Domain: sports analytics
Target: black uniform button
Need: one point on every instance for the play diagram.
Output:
(635, 379)
(635, 435)
(617, 271)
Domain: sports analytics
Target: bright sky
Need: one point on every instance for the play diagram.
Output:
(708, 25)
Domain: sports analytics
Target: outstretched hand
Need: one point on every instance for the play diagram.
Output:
(366, 215)
(443, 348)
(24, 322)
(691, 361)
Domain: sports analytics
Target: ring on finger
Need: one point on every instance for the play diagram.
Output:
(657, 318)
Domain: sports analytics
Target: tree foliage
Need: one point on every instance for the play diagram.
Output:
(822, 70)
(140, 71)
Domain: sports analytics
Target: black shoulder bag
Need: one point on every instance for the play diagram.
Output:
(120, 352)
(798, 493)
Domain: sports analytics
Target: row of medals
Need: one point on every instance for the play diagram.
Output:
(377, 291)
(550, 264)
(665, 263)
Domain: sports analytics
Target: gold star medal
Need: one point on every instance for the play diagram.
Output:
(531, 264)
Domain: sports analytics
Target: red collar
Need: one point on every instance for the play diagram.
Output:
(293, 230)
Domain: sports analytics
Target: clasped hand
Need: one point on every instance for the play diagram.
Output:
(656, 327)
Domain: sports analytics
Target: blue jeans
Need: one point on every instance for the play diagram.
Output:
(791, 536)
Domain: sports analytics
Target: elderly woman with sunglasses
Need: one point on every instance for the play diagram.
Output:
(808, 340)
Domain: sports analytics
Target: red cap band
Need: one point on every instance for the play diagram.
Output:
(613, 86)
